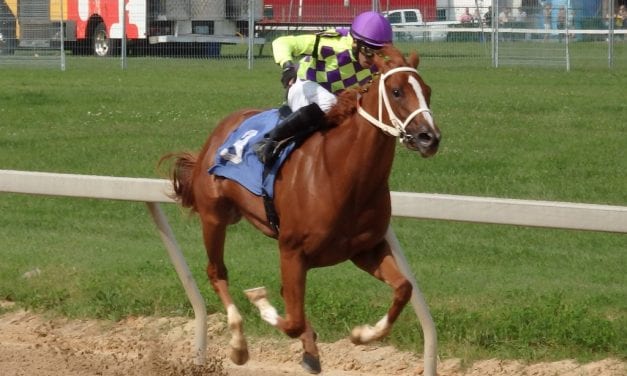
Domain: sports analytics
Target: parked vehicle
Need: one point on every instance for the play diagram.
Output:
(95, 26)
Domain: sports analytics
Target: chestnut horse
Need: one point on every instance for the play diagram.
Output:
(339, 178)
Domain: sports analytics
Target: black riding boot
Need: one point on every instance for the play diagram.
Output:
(300, 123)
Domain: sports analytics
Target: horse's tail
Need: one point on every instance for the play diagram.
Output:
(181, 173)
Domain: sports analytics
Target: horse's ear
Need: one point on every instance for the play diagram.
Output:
(414, 59)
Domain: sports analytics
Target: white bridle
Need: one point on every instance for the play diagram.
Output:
(397, 129)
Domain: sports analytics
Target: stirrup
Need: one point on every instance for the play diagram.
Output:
(266, 150)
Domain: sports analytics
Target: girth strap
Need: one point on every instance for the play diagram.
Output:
(271, 214)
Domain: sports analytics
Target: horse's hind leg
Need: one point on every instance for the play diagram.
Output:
(214, 234)
(381, 264)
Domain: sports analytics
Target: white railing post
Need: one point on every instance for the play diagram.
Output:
(182, 270)
(420, 307)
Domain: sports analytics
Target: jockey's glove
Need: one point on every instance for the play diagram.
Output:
(289, 74)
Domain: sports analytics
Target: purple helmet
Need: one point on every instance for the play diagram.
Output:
(372, 28)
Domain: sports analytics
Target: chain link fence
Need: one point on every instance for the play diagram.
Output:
(31, 33)
(559, 33)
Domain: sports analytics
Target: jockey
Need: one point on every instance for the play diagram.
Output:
(333, 60)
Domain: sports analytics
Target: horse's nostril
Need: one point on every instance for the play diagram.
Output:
(425, 138)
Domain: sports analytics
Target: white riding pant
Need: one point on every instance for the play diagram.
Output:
(304, 92)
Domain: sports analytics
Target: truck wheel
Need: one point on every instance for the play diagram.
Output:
(101, 44)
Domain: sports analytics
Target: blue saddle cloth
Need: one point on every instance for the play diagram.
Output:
(236, 160)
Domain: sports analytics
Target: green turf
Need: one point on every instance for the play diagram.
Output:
(494, 291)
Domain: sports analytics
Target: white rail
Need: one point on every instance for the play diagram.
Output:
(551, 214)
(414, 205)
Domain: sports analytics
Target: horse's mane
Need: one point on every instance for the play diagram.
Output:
(345, 107)
(387, 57)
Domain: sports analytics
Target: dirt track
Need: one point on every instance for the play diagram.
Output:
(35, 346)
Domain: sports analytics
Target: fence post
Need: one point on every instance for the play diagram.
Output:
(610, 33)
(567, 34)
(420, 306)
(62, 36)
(495, 34)
(182, 270)
(122, 19)
(251, 32)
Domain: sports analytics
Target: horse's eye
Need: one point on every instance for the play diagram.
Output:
(396, 93)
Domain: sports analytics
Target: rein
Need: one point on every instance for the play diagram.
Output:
(397, 129)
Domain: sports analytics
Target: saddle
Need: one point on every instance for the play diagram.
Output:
(236, 159)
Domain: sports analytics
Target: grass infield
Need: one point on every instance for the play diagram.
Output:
(494, 291)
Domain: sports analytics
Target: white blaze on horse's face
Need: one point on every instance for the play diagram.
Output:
(425, 135)
(422, 102)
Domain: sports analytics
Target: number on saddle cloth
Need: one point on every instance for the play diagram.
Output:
(236, 160)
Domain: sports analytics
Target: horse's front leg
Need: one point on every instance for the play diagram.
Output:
(381, 264)
(214, 234)
(293, 276)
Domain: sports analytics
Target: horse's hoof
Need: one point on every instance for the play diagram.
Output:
(311, 363)
(256, 293)
(355, 337)
(239, 357)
